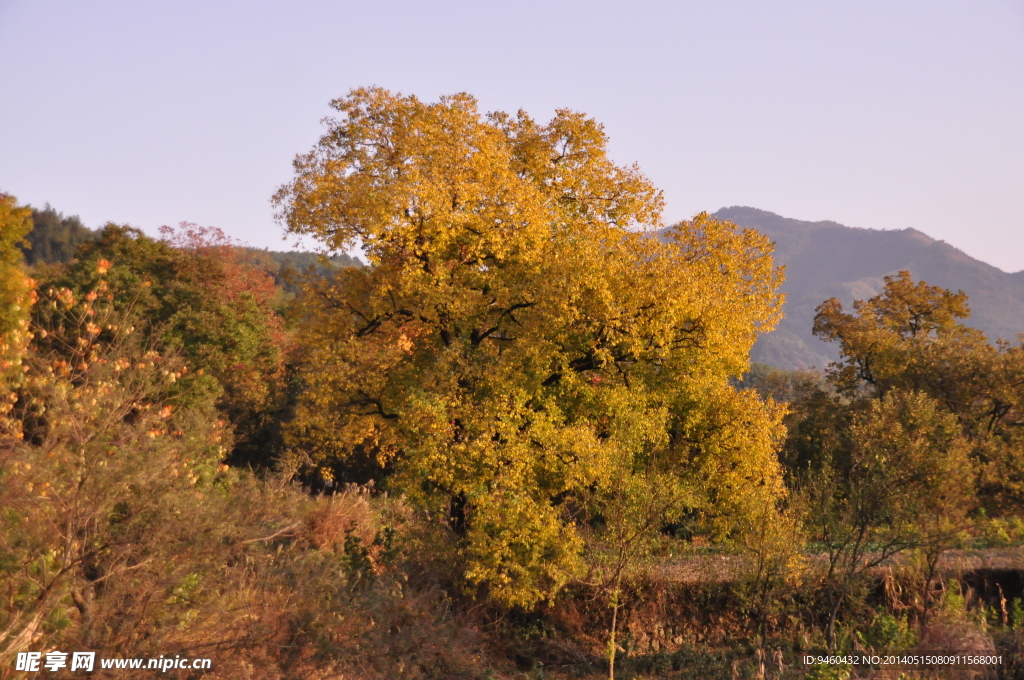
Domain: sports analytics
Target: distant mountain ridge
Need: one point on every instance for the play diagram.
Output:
(827, 259)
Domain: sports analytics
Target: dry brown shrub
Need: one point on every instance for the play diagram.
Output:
(331, 519)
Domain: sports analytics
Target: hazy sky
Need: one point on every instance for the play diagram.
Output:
(894, 114)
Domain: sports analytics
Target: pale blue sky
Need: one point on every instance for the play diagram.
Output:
(902, 113)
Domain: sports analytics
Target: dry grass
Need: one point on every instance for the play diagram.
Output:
(332, 519)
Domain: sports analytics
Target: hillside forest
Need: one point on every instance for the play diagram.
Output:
(523, 439)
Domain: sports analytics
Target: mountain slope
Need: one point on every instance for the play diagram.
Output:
(826, 259)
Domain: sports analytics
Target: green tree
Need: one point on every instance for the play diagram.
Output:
(911, 337)
(196, 293)
(519, 358)
(894, 476)
(54, 237)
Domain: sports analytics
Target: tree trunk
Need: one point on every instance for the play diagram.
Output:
(611, 638)
(933, 561)
(830, 633)
(84, 603)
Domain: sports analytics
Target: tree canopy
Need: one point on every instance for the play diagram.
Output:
(195, 293)
(520, 356)
(911, 338)
(54, 237)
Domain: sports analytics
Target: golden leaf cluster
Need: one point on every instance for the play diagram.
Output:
(525, 353)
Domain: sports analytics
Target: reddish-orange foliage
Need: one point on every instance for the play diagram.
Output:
(227, 268)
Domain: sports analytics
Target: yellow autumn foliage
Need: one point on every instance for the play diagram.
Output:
(16, 297)
(524, 353)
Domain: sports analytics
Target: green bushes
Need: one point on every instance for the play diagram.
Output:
(198, 295)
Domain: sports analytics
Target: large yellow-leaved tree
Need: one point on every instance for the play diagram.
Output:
(524, 357)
